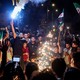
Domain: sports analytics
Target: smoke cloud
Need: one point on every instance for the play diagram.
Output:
(21, 5)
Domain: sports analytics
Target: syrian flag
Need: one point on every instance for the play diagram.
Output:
(77, 6)
(1, 36)
(60, 21)
(61, 15)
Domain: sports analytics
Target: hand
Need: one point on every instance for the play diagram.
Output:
(58, 44)
(12, 23)
(6, 28)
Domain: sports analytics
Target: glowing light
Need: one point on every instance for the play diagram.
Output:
(42, 4)
(45, 53)
(21, 5)
(54, 30)
(37, 1)
(50, 35)
(68, 27)
(53, 4)
(77, 35)
(56, 10)
(48, 10)
(53, 26)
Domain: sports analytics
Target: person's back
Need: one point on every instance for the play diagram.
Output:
(17, 46)
(13, 70)
(72, 74)
(30, 68)
(58, 67)
(45, 75)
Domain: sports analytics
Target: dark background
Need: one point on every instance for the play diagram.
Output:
(35, 15)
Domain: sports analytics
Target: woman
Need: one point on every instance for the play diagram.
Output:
(9, 51)
(25, 52)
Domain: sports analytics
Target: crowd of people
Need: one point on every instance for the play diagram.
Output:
(66, 54)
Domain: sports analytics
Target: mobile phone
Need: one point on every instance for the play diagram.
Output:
(16, 59)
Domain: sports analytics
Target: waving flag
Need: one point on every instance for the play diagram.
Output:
(1, 36)
(77, 6)
(60, 21)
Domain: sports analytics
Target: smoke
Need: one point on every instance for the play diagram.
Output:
(37, 1)
(21, 5)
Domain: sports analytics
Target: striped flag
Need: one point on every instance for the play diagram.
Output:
(77, 6)
(61, 15)
(60, 21)
(1, 36)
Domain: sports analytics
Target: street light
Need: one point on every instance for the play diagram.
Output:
(53, 4)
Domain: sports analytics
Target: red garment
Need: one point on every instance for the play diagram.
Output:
(25, 50)
(25, 53)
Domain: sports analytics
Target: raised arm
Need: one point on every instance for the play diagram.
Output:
(59, 41)
(13, 30)
(7, 34)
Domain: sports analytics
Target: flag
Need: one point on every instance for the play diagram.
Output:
(61, 15)
(60, 21)
(1, 36)
(77, 6)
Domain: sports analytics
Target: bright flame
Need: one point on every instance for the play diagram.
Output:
(21, 5)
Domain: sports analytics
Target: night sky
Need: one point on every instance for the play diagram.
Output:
(32, 13)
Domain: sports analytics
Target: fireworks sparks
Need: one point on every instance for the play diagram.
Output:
(45, 53)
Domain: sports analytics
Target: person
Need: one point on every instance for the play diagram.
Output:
(40, 40)
(46, 74)
(25, 51)
(76, 60)
(58, 67)
(73, 72)
(67, 52)
(74, 46)
(57, 51)
(17, 44)
(0, 52)
(9, 51)
(26, 36)
(13, 71)
(4, 48)
(33, 48)
(30, 68)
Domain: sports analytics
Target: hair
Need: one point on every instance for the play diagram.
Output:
(45, 75)
(10, 72)
(59, 66)
(30, 67)
(76, 58)
(72, 74)
(75, 42)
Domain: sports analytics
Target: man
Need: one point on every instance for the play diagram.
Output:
(67, 53)
(33, 48)
(73, 72)
(17, 44)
